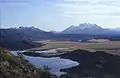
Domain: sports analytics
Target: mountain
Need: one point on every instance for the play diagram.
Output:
(87, 28)
(53, 31)
(22, 38)
(117, 29)
(23, 33)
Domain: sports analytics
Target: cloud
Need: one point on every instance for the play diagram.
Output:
(66, 5)
(90, 7)
(65, 15)
(91, 2)
(103, 13)
(74, 12)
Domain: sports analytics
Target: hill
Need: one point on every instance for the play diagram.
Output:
(98, 64)
(16, 67)
(18, 44)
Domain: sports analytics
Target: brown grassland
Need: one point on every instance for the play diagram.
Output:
(112, 47)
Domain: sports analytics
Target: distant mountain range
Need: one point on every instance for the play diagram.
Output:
(88, 28)
(23, 37)
(83, 31)
(23, 33)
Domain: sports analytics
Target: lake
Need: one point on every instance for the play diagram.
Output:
(54, 63)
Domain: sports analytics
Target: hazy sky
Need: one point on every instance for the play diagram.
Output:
(59, 14)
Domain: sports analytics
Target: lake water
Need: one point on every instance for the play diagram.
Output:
(47, 51)
(54, 63)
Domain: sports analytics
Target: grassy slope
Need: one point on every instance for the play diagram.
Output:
(16, 67)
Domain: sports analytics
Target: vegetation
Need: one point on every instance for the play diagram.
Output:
(111, 47)
(46, 68)
(96, 65)
(15, 67)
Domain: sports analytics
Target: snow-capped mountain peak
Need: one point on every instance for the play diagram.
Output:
(89, 26)
(86, 28)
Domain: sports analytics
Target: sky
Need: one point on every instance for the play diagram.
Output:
(59, 14)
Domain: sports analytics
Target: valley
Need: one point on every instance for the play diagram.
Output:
(96, 64)
(59, 38)
(112, 47)
(66, 55)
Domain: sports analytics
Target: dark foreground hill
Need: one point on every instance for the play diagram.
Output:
(93, 65)
(16, 67)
